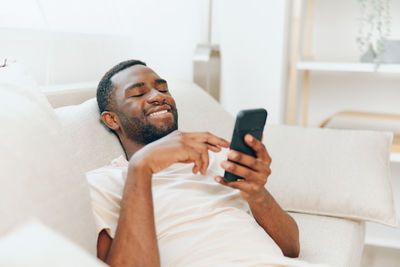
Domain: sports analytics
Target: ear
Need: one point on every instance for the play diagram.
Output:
(111, 120)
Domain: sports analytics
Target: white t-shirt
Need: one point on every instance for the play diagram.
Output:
(198, 221)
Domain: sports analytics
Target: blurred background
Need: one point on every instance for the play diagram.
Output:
(299, 59)
(62, 42)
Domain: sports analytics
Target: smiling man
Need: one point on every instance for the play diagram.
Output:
(164, 201)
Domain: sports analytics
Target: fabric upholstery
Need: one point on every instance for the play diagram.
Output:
(39, 178)
(342, 173)
(54, 249)
(329, 240)
(94, 146)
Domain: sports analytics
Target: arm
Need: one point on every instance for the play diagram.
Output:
(277, 223)
(135, 242)
(137, 210)
(267, 212)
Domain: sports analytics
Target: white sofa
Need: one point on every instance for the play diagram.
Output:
(331, 181)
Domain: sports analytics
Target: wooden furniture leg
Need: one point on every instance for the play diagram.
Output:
(294, 57)
(307, 56)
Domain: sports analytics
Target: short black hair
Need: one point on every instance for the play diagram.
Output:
(105, 88)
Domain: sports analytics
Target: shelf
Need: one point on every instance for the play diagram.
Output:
(395, 157)
(347, 67)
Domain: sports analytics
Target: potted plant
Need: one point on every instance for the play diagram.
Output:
(374, 28)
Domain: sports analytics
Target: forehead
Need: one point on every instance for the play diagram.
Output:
(132, 75)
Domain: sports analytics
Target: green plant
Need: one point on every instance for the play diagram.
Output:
(374, 25)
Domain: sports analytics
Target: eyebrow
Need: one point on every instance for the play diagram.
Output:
(132, 86)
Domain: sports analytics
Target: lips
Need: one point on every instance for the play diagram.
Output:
(158, 110)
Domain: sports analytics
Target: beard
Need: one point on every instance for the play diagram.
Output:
(144, 132)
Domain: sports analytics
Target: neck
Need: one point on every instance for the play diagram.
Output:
(130, 146)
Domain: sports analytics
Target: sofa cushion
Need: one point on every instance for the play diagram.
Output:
(54, 249)
(328, 240)
(342, 173)
(94, 145)
(39, 178)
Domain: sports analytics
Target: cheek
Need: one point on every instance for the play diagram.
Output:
(134, 109)
(171, 101)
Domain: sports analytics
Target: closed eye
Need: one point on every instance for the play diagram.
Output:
(137, 95)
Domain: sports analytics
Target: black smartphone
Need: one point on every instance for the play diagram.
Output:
(250, 121)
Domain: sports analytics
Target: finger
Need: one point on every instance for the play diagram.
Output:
(239, 170)
(210, 139)
(258, 147)
(205, 159)
(247, 160)
(203, 150)
(194, 157)
(213, 148)
(240, 184)
(221, 180)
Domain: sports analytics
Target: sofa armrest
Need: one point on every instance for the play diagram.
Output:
(69, 94)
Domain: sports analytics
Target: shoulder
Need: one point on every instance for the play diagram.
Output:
(111, 174)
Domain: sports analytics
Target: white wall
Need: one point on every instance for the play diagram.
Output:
(252, 37)
(78, 41)
(334, 32)
(59, 58)
(82, 39)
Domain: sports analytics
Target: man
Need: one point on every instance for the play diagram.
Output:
(153, 202)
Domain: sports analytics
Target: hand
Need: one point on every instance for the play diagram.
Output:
(179, 147)
(255, 170)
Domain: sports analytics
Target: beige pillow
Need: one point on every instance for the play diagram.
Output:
(39, 178)
(36, 245)
(342, 173)
(94, 145)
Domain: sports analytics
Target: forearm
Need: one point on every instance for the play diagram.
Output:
(277, 223)
(135, 242)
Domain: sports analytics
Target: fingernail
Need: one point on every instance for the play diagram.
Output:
(250, 138)
(218, 179)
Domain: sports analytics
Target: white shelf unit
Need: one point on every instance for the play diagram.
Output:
(301, 65)
(307, 66)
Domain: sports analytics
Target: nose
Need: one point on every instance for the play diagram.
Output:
(155, 96)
